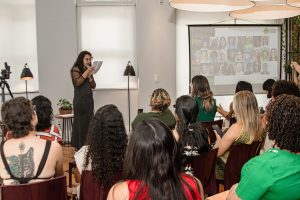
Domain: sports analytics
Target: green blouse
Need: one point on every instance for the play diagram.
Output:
(203, 115)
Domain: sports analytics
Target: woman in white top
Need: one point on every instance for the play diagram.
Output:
(106, 146)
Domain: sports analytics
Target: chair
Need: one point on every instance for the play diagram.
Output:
(238, 156)
(204, 169)
(90, 190)
(55, 188)
(211, 133)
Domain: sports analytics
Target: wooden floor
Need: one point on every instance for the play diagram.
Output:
(69, 157)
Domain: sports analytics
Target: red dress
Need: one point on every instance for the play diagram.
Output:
(133, 187)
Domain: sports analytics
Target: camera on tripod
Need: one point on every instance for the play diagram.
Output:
(5, 72)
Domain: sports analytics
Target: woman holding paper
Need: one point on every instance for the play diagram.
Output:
(83, 101)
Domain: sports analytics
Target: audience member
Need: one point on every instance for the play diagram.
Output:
(204, 98)
(26, 158)
(267, 86)
(159, 102)
(149, 168)
(193, 138)
(240, 86)
(276, 173)
(246, 130)
(296, 76)
(285, 87)
(105, 149)
(44, 128)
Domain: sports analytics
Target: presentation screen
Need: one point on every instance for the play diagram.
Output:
(226, 54)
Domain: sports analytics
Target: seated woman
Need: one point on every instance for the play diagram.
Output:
(204, 99)
(240, 86)
(105, 149)
(26, 158)
(246, 130)
(159, 102)
(149, 168)
(44, 128)
(276, 173)
(192, 137)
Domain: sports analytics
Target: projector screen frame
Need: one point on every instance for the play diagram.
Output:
(257, 86)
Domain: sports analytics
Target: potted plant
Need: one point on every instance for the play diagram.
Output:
(65, 107)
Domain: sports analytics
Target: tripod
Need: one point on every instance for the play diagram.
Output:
(3, 84)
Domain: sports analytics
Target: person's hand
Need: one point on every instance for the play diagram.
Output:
(295, 66)
(232, 194)
(221, 107)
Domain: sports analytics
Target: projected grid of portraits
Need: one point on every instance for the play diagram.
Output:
(232, 55)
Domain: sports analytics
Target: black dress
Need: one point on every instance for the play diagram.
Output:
(83, 104)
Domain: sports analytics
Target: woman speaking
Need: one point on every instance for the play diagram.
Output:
(83, 101)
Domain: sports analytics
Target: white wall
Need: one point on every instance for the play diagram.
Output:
(183, 19)
(156, 44)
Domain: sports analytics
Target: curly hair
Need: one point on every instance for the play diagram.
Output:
(285, 87)
(160, 99)
(17, 114)
(201, 88)
(79, 61)
(107, 142)
(44, 112)
(284, 123)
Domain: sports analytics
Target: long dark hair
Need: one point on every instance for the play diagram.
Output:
(44, 112)
(79, 61)
(150, 159)
(190, 131)
(202, 89)
(107, 140)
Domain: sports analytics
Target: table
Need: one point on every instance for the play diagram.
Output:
(67, 121)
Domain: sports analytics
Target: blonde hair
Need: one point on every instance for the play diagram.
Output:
(202, 90)
(160, 99)
(247, 113)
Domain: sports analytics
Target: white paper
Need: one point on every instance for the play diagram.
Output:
(97, 65)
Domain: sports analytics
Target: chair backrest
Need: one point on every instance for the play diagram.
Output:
(90, 190)
(238, 156)
(55, 188)
(208, 126)
(204, 169)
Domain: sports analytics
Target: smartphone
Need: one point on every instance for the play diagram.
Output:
(218, 130)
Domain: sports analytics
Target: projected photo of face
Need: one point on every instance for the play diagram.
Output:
(248, 69)
(249, 42)
(214, 43)
(239, 56)
(231, 54)
(222, 43)
(204, 56)
(239, 68)
(204, 44)
(231, 42)
(205, 69)
(227, 69)
(222, 56)
(247, 56)
(257, 41)
(256, 67)
(265, 41)
(213, 56)
(265, 54)
(264, 69)
(256, 55)
(241, 40)
(273, 56)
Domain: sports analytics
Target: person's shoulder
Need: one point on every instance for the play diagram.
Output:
(118, 191)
